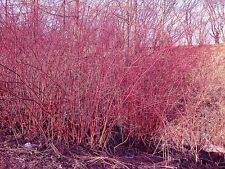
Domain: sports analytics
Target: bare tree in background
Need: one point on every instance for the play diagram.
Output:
(162, 35)
(201, 26)
(35, 19)
(64, 14)
(189, 7)
(77, 8)
(215, 11)
(6, 9)
(128, 15)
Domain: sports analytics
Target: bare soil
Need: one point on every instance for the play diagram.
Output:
(14, 155)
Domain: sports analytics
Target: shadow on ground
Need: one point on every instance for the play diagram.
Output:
(15, 155)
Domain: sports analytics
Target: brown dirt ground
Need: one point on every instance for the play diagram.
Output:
(13, 155)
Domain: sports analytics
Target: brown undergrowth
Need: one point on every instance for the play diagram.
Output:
(14, 154)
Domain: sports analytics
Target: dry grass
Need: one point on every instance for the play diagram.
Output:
(202, 121)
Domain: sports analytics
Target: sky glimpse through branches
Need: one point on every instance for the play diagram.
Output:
(183, 22)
